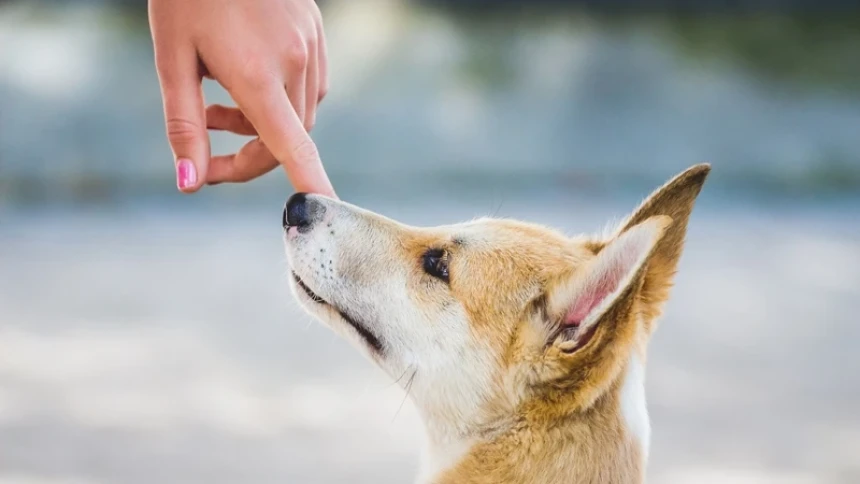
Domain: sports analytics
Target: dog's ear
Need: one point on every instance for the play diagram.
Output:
(607, 284)
(675, 199)
(591, 312)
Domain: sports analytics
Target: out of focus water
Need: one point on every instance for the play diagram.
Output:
(148, 337)
(521, 99)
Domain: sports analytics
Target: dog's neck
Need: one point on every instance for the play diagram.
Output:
(606, 443)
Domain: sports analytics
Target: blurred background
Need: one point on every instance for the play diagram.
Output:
(147, 336)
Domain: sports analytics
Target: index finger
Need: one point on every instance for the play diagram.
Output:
(267, 107)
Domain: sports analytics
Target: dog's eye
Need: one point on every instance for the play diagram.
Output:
(436, 263)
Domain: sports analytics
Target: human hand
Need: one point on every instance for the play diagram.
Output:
(270, 56)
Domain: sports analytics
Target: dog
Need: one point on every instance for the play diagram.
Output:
(523, 349)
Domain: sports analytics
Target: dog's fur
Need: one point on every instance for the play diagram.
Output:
(527, 364)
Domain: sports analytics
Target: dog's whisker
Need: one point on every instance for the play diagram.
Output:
(399, 377)
(498, 208)
(406, 396)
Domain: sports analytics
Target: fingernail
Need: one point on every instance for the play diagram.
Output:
(186, 174)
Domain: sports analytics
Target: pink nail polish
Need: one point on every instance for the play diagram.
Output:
(186, 174)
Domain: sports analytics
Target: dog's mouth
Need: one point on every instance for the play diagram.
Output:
(371, 339)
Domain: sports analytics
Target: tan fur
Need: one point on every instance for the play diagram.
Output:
(528, 402)
(675, 199)
(548, 445)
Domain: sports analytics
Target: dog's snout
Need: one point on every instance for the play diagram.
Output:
(301, 211)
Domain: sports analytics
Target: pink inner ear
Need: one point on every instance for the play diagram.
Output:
(613, 264)
(592, 295)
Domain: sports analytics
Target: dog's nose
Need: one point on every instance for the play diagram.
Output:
(301, 212)
(296, 213)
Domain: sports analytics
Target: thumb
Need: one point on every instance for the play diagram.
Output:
(185, 116)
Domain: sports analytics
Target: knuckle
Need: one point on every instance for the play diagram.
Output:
(297, 54)
(311, 44)
(304, 153)
(182, 130)
(316, 13)
(256, 72)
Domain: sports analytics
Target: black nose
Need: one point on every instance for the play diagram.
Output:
(303, 211)
(297, 212)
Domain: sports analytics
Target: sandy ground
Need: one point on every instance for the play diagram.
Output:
(140, 347)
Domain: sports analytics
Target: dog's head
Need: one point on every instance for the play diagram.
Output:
(482, 318)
